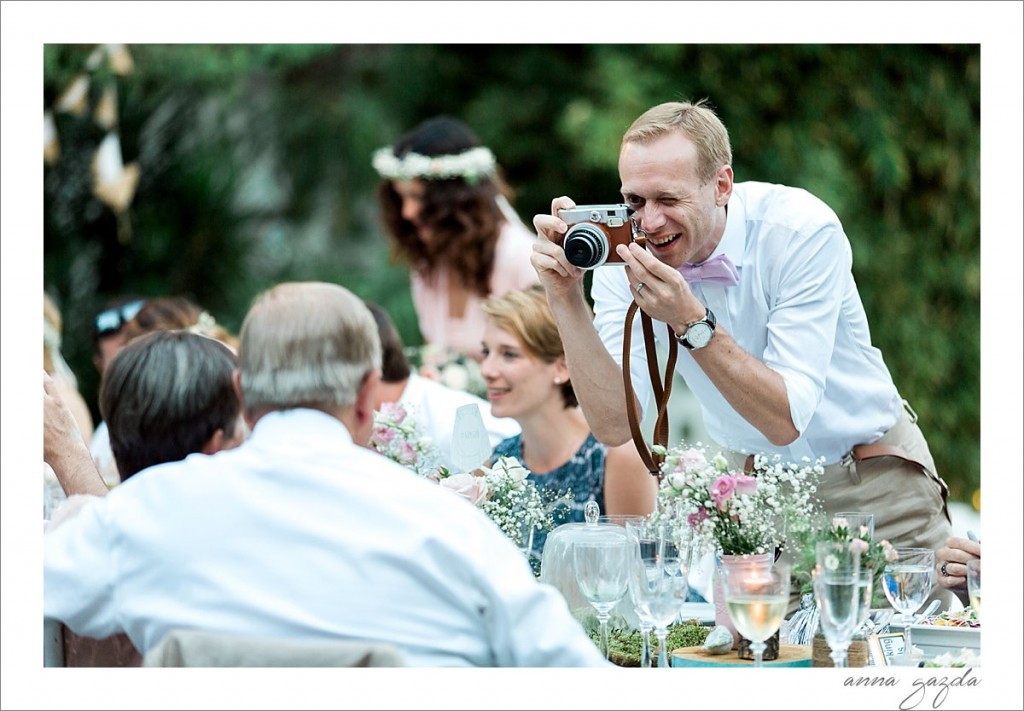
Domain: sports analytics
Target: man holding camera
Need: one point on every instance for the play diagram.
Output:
(754, 281)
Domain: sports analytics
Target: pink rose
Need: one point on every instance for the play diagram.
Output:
(858, 545)
(470, 487)
(382, 436)
(745, 485)
(722, 490)
(692, 459)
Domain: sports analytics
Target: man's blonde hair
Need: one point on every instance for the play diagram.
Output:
(697, 121)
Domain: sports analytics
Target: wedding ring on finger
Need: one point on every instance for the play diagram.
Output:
(639, 285)
(945, 573)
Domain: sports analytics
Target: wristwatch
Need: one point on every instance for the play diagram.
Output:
(698, 334)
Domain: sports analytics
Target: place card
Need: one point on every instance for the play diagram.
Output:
(884, 648)
(470, 444)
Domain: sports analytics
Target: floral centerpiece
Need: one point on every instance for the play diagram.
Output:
(733, 512)
(504, 493)
(873, 554)
(396, 435)
(501, 491)
(742, 517)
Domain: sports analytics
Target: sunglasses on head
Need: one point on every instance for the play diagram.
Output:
(113, 320)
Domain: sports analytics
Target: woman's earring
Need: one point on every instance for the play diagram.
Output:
(558, 381)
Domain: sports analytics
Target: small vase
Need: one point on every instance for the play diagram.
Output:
(722, 619)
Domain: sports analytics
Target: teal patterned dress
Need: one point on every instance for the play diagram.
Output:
(583, 474)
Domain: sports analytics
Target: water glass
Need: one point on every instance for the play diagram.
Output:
(602, 572)
(907, 581)
(837, 590)
(974, 585)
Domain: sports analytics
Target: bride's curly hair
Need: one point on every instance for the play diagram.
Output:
(465, 217)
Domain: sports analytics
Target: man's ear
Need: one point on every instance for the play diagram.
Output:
(362, 410)
(215, 443)
(236, 382)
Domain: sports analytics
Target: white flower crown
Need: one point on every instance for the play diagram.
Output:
(472, 165)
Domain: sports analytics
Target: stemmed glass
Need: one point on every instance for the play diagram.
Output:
(602, 571)
(907, 581)
(757, 598)
(836, 587)
(643, 542)
(658, 584)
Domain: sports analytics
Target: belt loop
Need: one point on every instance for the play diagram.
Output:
(850, 462)
(910, 411)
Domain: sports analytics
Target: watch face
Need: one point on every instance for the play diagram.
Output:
(699, 334)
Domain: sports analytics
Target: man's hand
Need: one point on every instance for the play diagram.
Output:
(559, 277)
(63, 447)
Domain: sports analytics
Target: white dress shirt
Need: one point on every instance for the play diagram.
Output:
(796, 308)
(433, 406)
(300, 533)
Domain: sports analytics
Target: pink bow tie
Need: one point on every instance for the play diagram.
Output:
(717, 270)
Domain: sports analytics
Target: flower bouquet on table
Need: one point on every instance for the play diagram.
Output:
(873, 554)
(513, 502)
(743, 517)
(396, 435)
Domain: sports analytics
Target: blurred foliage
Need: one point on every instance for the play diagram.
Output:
(255, 169)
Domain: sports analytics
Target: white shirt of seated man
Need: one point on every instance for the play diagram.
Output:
(299, 532)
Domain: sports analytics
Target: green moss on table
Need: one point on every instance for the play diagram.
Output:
(624, 645)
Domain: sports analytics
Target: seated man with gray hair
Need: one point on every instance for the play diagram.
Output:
(302, 532)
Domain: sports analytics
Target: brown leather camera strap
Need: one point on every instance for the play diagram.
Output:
(662, 390)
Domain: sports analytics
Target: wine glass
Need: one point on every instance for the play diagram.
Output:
(974, 585)
(527, 526)
(756, 598)
(643, 543)
(602, 571)
(658, 584)
(907, 581)
(836, 587)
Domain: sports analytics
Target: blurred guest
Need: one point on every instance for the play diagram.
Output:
(446, 211)
(107, 333)
(300, 532)
(527, 380)
(162, 313)
(432, 404)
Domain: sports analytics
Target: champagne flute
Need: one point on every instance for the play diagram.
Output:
(907, 581)
(756, 598)
(602, 571)
(836, 587)
(974, 585)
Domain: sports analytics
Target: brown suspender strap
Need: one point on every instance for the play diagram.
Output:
(662, 391)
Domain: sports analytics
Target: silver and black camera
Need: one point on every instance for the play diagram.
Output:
(595, 230)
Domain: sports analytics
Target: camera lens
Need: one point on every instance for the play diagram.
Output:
(585, 246)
